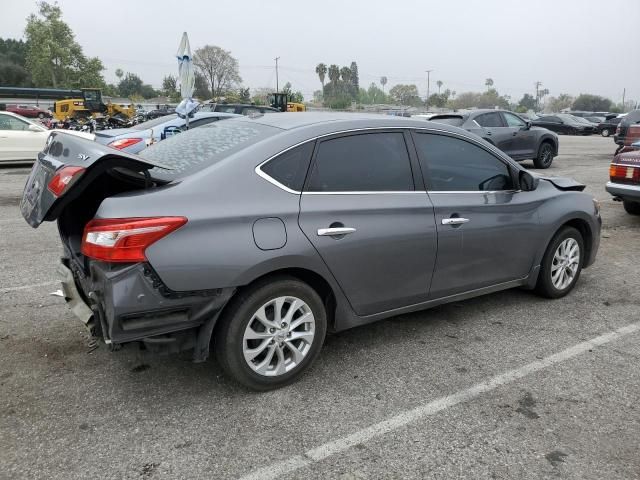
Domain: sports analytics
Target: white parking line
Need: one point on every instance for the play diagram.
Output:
(334, 447)
(27, 287)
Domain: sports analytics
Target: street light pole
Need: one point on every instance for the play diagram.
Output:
(428, 87)
(277, 86)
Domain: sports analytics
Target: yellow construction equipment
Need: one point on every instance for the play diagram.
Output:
(90, 104)
(282, 103)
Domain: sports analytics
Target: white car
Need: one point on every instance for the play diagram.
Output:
(21, 139)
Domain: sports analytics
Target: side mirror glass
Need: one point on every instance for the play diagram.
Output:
(528, 182)
(527, 125)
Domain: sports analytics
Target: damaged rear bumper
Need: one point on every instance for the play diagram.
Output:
(130, 303)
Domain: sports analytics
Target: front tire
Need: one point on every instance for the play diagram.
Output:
(561, 264)
(545, 156)
(605, 132)
(271, 333)
(632, 208)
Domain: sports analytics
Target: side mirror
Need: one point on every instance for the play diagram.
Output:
(527, 125)
(34, 128)
(528, 183)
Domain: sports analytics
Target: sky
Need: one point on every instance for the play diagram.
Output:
(571, 46)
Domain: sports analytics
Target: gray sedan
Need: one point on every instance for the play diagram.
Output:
(263, 234)
(139, 137)
(509, 132)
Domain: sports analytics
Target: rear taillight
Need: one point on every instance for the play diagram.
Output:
(63, 179)
(125, 239)
(124, 143)
(624, 172)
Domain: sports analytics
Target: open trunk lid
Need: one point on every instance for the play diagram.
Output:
(40, 203)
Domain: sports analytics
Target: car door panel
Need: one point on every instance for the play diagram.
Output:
(495, 245)
(387, 262)
(523, 140)
(364, 182)
(485, 227)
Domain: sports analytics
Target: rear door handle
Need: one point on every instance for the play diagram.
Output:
(454, 221)
(332, 232)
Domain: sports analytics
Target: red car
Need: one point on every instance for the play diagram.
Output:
(624, 184)
(29, 111)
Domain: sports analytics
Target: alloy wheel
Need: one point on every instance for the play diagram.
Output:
(279, 336)
(565, 264)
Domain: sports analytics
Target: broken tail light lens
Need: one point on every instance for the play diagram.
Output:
(125, 239)
(124, 143)
(625, 173)
(64, 179)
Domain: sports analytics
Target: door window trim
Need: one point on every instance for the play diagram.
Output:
(512, 168)
(407, 128)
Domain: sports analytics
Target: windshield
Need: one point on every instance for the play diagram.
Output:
(194, 150)
(568, 118)
(155, 122)
(455, 120)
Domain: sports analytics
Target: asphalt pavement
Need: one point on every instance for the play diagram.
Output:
(508, 385)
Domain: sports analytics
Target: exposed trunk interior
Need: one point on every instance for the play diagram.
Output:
(81, 210)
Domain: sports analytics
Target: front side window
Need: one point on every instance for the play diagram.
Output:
(513, 120)
(375, 162)
(489, 120)
(451, 164)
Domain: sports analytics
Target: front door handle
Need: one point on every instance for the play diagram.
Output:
(332, 232)
(454, 221)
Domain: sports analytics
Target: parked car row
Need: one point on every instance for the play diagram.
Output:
(261, 233)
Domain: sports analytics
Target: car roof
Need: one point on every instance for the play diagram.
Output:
(342, 120)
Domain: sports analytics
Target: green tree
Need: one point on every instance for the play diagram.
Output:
(321, 70)
(13, 71)
(54, 58)
(201, 87)
(132, 86)
(220, 69)
(528, 102)
(293, 96)
(119, 73)
(562, 102)
(383, 82)
(355, 78)
(345, 74)
(439, 84)
(244, 95)
(488, 83)
(170, 88)
(405, 95)
(591, 103)
(334, 73)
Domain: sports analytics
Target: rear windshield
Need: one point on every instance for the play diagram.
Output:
(194, 150)
(155, 122)
(454, 120)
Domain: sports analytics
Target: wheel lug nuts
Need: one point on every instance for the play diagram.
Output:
(288, 334)
(284, 324)
(272, 330)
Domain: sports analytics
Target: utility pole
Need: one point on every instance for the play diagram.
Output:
(538, 84)
(428, 87)
(624, 92)
(277, 86)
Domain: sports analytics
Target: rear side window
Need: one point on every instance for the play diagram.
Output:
(513, 120)
(489, 120)
(290, 168)
(375, 162)
(455, 165)
(201, 147)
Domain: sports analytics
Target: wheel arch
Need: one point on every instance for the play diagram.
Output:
(546, 138)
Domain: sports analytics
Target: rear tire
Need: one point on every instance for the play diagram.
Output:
(561, 264)
(545, 156)
(632, 208)
(288, 337)
(605, 132)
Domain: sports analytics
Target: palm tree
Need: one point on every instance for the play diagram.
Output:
(383, 82)
(489, 83)
(321, 70)
(345, 73)
(439, 84)
(334, 73)
(119, 73)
